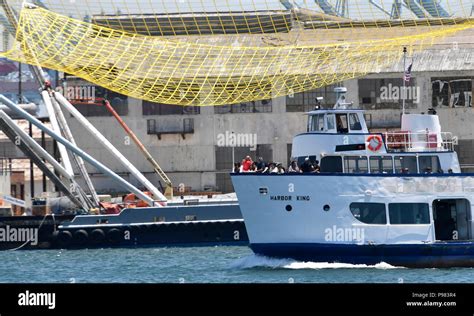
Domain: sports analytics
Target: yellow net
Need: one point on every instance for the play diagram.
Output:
(205, 53)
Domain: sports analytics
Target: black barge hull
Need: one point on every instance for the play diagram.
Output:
(144, 227)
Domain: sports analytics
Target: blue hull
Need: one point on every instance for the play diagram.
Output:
(436, 255)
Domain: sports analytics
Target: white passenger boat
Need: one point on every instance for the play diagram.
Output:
(396, 197)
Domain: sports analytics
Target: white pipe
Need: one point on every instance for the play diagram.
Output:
(38, 150)
(108, 145)
(78, 160)
(35, 146)
(76, 150)
(54, 123)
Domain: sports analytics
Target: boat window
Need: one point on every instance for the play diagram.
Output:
(369, 213)
(409, 213)
(354, 122)
(310, 123)
(317, 123)
(381, 164)
(341, 121)
(429, 164)
(405, 164)
(330, 121)
(355, 164)
(314, 123)
(321, 123)
(331, 164)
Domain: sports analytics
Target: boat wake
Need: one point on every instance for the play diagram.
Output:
(256, 261)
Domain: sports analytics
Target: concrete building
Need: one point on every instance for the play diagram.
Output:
(197, 146)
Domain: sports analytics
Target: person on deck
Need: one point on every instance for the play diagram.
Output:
(307, 166)
(260, 165)
(246, 164)
(316, 167)
(293, 168)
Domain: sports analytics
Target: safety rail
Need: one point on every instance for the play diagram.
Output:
(404, 141)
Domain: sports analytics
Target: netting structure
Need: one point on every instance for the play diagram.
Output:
(199, 53)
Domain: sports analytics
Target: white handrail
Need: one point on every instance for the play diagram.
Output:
(423, 141)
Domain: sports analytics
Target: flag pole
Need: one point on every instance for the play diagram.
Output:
(404, 94)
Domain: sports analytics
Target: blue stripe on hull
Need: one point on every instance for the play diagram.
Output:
(436, 255)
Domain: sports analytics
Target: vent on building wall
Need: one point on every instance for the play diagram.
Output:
(185, 127)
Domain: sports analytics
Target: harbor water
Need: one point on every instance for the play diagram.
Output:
(200, 265)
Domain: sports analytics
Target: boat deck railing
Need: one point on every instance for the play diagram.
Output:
(404, 141)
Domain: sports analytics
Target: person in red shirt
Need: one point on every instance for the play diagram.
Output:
(246, 164)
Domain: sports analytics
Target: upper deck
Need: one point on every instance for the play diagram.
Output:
(419, 132)
(342, 131)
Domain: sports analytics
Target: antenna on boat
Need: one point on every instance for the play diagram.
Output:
(406, 77)
(404, 82)
(341, 102)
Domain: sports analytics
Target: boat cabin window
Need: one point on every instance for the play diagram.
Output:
(377, 164)
(409, 213)
(317, 123)
(369, 213)
(354, 122)
(341, 121)
(381, 164)
(405, 164)
(320, 123)
(331, 125)
(429, 164)
(355, 164)
(331, 164)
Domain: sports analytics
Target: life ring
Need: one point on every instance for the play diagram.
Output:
(374, 143)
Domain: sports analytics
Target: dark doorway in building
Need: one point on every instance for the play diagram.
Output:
(452, 219)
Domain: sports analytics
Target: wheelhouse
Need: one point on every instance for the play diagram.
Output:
(337, 121)
(339, 140)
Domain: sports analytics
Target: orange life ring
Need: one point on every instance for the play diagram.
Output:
(374, 143)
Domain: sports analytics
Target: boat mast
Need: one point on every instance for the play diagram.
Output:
(404, 79)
